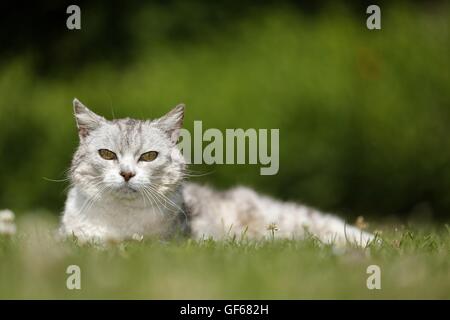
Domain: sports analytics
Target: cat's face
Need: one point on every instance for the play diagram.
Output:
(127, 159)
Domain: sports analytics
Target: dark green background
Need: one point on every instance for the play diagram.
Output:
(363, 115)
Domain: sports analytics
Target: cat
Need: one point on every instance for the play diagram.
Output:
(127, 182)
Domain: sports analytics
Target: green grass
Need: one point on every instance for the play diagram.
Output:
(414, 263)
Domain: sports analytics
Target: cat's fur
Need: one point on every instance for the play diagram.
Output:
(156, 201)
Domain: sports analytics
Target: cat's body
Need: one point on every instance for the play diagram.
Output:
(127, 183)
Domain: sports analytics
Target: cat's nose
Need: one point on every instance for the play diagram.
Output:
(127, 175)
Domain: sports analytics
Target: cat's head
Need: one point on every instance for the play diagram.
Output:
(126, 158)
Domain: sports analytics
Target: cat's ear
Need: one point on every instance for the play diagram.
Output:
(86, 119)
(172, 122)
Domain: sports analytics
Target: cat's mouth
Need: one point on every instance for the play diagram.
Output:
(127, 189)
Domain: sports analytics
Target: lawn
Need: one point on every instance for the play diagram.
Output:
(414, 263)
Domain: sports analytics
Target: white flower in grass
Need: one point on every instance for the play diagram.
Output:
(137, 237)
(7, 225)
(272, 228)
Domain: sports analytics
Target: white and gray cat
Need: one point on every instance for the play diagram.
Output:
(127, 182)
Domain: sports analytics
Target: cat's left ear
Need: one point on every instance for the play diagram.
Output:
(172, 122)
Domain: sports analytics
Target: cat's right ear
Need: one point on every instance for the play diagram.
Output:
(87, 120)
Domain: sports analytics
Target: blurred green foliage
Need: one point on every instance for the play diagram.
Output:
(363, 115)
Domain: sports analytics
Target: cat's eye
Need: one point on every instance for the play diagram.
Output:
(149, 156)
(107, 154)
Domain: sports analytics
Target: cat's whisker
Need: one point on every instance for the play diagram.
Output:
(85, 204)
(157, 193)
(65, 174)
(98, 196)
(143, 198)
(202, 174)
(169, 201)
(155, 199)
(160, 201)
(147, 198)
(55, 180)
(90, 200)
